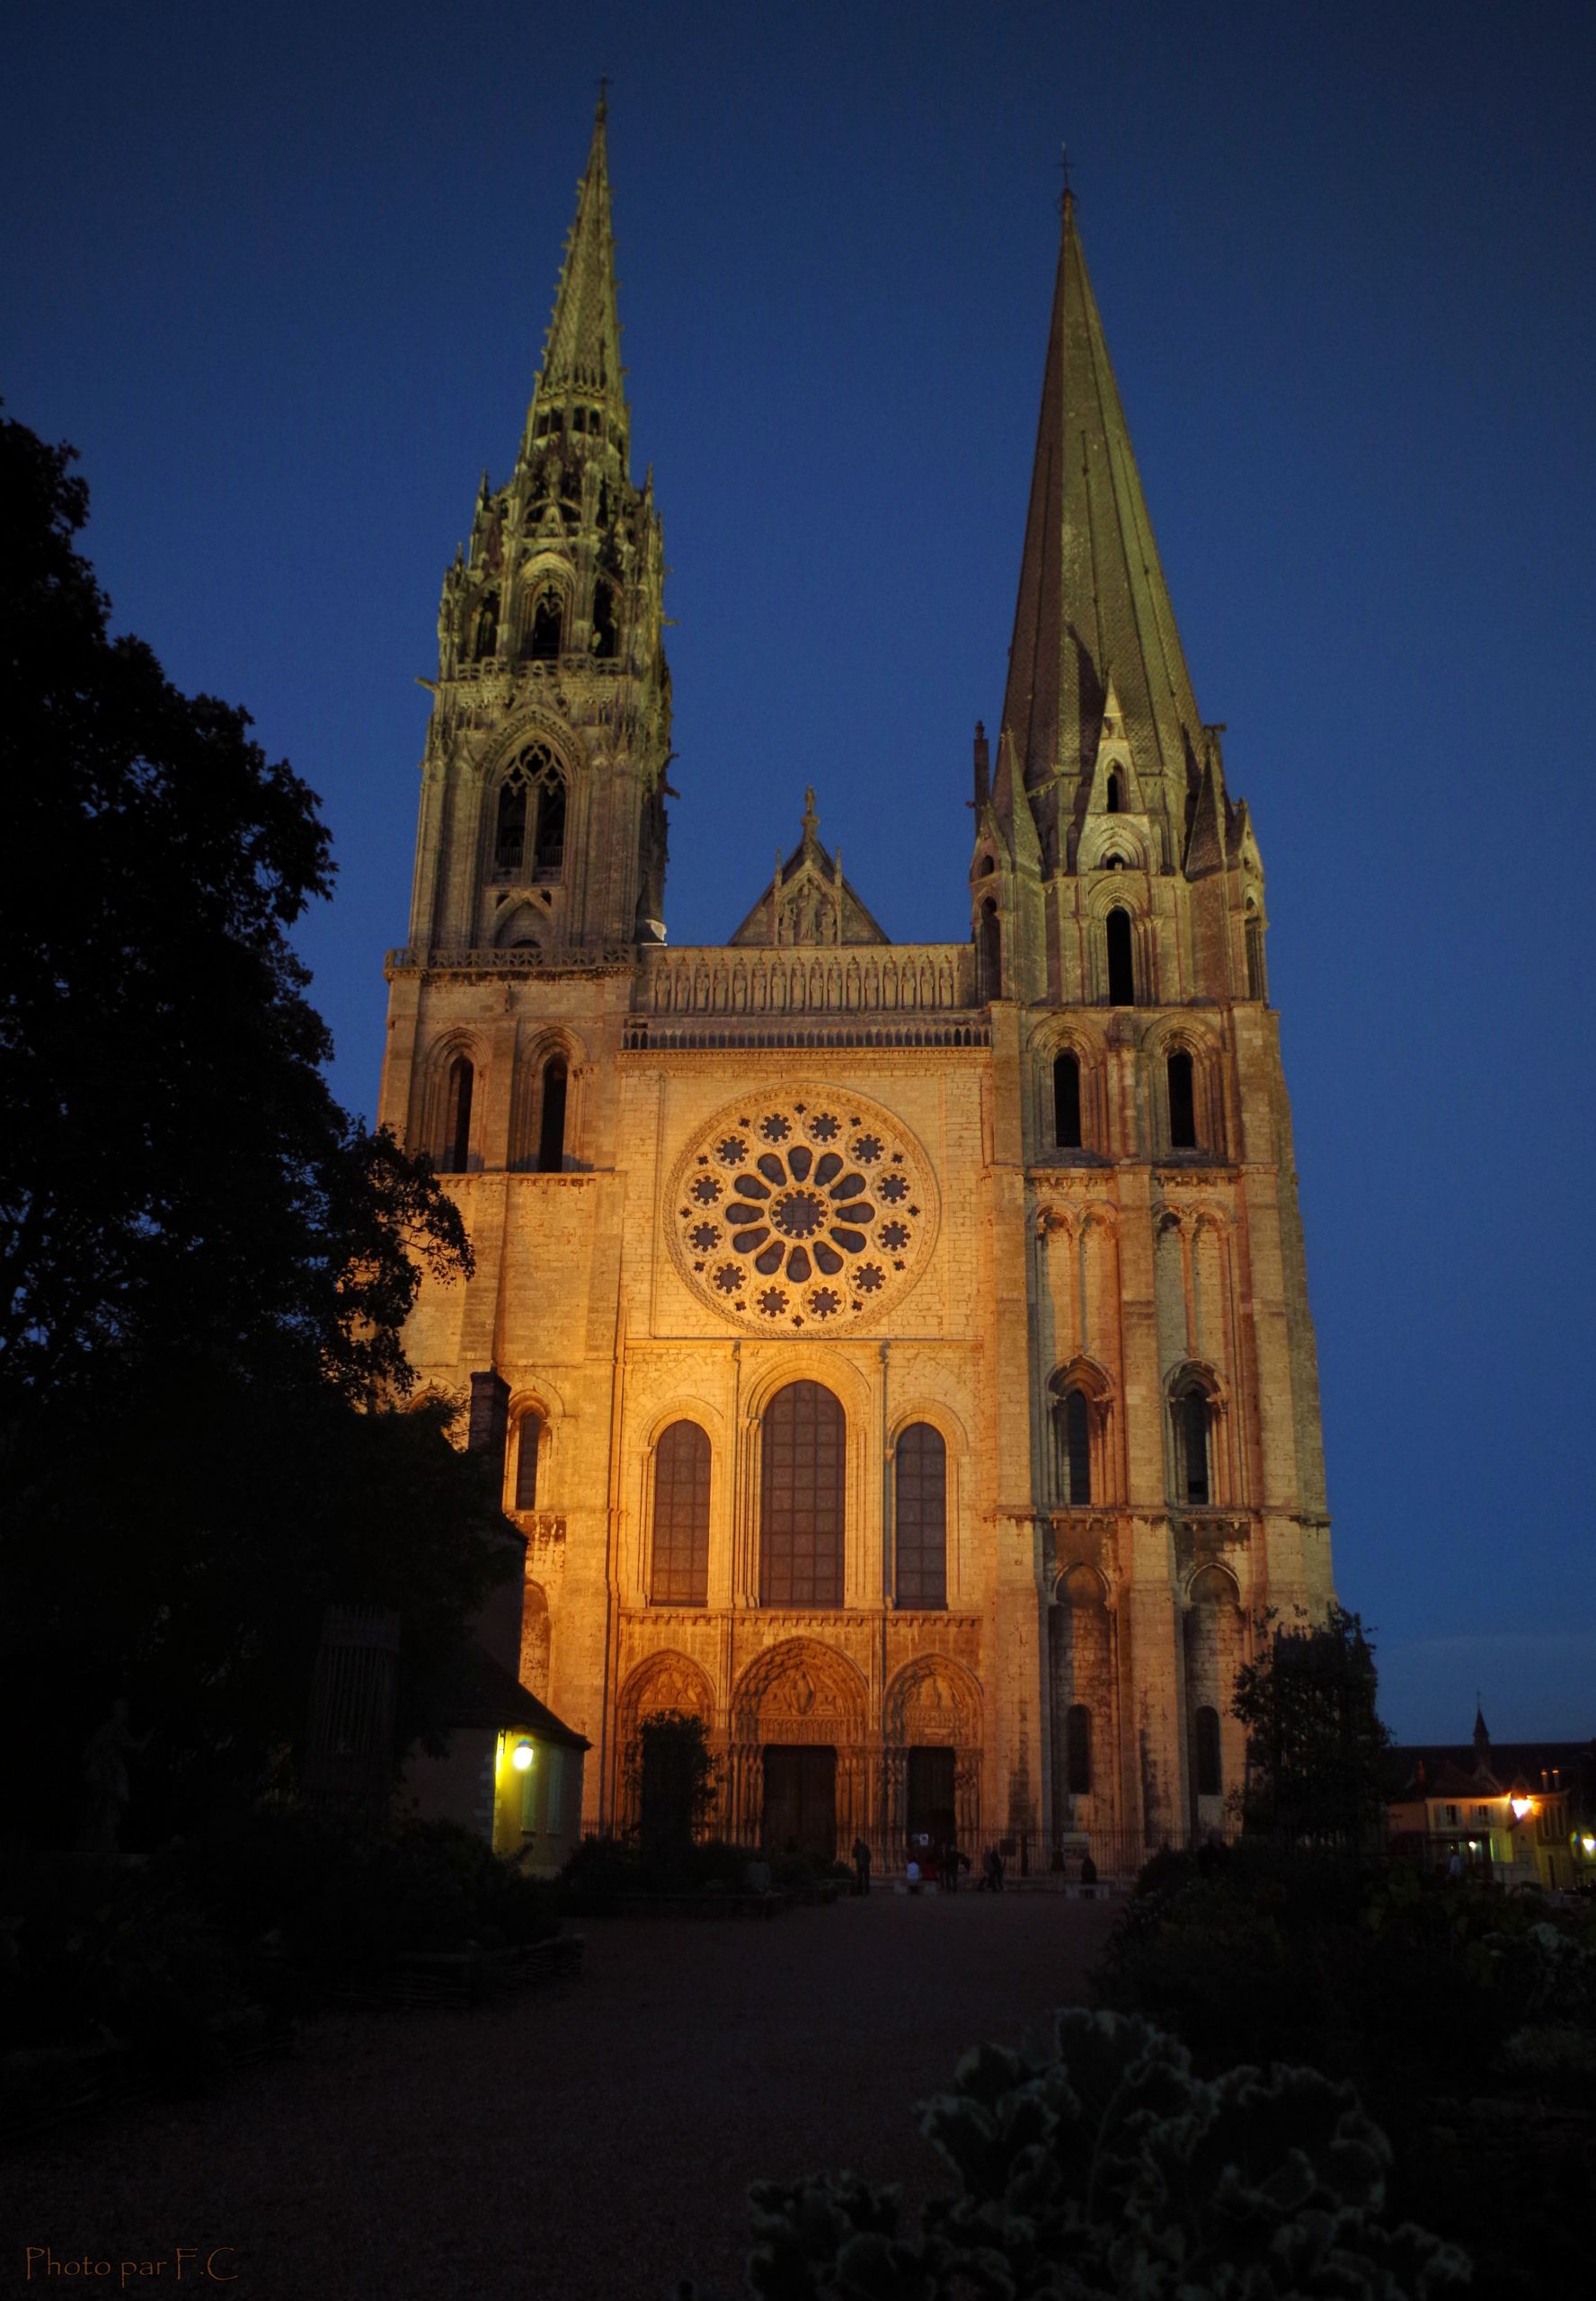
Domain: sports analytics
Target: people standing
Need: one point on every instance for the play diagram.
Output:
(861, 1865)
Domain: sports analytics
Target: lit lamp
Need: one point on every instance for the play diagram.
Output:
(1521, 1806)
(1588, 1843)
(521, 1757)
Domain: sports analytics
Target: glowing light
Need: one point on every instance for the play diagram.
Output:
(1521, 1806)
(1589, 1844)
(521, 1757)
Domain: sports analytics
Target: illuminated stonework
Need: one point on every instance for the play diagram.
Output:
(808, 1209)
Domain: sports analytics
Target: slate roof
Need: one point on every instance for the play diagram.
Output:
(477, 1691)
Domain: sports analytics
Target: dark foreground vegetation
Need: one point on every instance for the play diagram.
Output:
(206, 1265)
(1307, 2077)
(160, 1974)
(1464, 2016)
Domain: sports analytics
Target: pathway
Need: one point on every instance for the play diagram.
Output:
(591, 2142)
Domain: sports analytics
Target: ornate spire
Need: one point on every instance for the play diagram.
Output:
(581, 352)
(1091, 591)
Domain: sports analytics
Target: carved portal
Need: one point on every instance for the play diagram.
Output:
(798, 1695)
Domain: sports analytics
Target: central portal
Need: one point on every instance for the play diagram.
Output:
(799, 1800)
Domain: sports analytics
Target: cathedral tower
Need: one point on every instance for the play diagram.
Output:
(902, 1352)
(549, 639)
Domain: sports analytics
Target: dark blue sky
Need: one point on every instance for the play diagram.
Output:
(283, 279)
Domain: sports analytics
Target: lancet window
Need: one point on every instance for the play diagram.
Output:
(1121, 961)
(1066, 1100)
(680, 1566)
(528, 1439)
(803, 1485)
(1191, 1414)
(919, 1489)
(455, 1146)
(1182, 1101)
(529, 823)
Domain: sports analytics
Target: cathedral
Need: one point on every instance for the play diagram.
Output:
(899, 1353)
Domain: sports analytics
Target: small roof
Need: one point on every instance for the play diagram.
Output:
(809, 900)
(477, 1691)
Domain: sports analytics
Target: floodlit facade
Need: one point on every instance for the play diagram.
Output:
(899, 1354)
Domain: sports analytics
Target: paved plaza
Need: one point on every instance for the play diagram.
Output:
(589, 2142)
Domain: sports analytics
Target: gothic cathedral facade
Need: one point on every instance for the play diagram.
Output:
(899, 1353)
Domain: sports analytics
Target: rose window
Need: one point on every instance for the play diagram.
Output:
(815, 1209)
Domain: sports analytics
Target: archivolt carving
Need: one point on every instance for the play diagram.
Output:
(666, 1681)
(932, 1700)
(798, 1691)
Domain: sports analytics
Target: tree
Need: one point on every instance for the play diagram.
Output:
(206, 1265)
(675, 1778)
(1314, 1739)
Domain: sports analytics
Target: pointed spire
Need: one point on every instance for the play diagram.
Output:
(1091, 587)
(581, 352)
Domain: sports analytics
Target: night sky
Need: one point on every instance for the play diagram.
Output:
(283, 277)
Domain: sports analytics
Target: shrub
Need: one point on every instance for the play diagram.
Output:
(1108, 2167)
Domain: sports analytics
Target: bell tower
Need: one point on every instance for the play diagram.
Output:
(543, 806)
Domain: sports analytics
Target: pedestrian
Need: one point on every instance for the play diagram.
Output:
(992, 1866)
(951, 1860)
(912, 1878)
(1088, 1875)
(861, 1865)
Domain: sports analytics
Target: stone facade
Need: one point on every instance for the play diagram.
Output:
(1024, 1207)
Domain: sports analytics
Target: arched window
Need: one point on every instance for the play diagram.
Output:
(1066, 1100)
(1077, 1750)
(1194, 1481)
(604, 620)
(919, 1476)
(1257, 986)
(551, 1133)
(528, 1436)
(1113, 795)
(1121, 966)
(1205, 1753)
(986, 868)
(991, 951)
(456, 1116)
(680, 1568)
(1182, 1103)
(547, 622)
(1072, 1440)
(548, 850)
(802, 1476)
(529, 828)
(510, 831)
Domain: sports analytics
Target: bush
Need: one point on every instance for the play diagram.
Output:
(1466, 2017)
(1107, 2167)
(268, 1911)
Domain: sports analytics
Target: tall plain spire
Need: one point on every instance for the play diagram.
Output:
(1093, 604)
